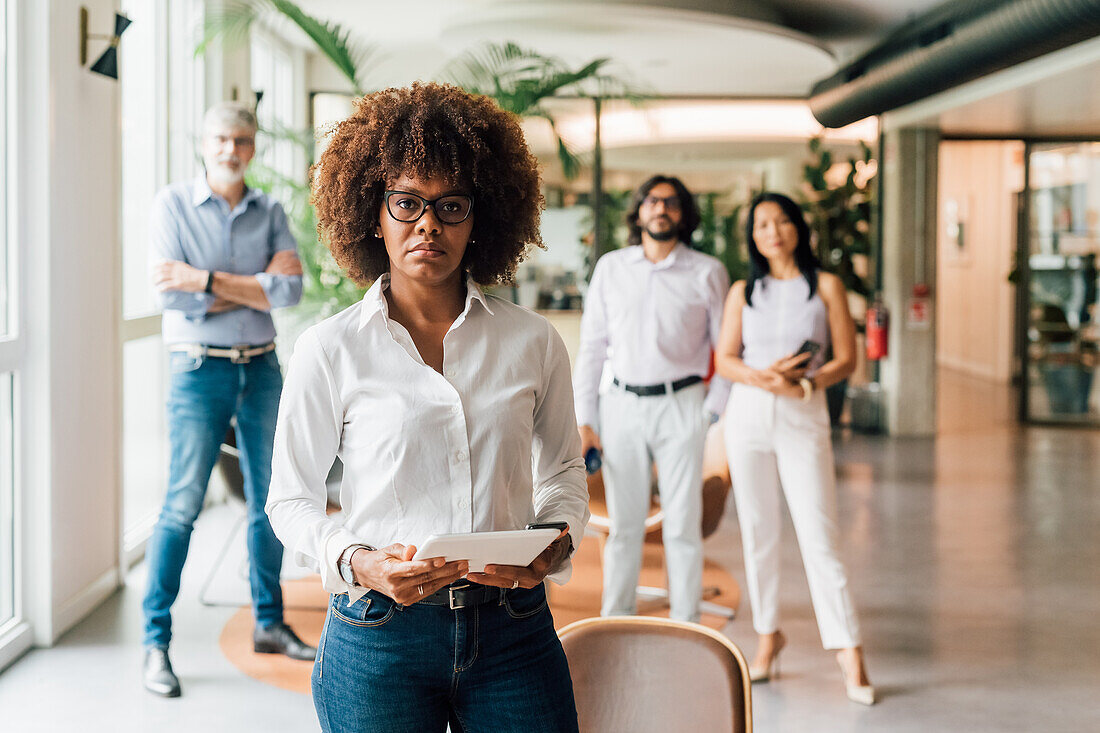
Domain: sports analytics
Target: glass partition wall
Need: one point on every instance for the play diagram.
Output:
(1059, 252)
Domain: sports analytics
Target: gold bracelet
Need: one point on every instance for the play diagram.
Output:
(807, 388)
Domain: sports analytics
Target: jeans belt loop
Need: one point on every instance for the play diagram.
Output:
(669, 388)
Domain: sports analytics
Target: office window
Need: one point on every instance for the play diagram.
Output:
(161, 89)
(10, 352)
(273, 76)
(7, 499)
(5, 255)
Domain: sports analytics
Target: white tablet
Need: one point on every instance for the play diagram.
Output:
(511, 547)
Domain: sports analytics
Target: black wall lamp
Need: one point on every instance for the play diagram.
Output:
(106, 64)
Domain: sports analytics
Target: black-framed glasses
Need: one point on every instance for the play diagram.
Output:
(408, 207)
(672, 203)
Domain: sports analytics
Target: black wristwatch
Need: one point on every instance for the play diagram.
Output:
(209, 282)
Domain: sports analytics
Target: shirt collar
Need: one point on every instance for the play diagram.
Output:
(201, 192)
(637, 254)
(374, 300)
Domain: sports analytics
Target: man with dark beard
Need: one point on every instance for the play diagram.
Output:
(653, 309)
(223, 257)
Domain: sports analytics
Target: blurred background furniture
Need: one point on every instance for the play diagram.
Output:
(641, 674)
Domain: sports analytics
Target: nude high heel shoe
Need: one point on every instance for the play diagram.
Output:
(861, 694)
(769, 671)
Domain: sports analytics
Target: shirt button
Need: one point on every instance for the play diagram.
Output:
(460, 455)
(456, 409)
(450, 374)
(462, 504)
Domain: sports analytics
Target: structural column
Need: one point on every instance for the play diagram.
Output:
(908, 374)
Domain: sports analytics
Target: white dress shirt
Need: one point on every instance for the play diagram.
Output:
(490, 444)
(656, 321)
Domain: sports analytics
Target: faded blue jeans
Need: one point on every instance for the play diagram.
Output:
(205, 394)
(494, 668)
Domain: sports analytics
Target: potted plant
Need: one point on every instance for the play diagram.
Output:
(840, 222)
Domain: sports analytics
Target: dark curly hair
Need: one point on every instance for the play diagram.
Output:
(425, 131)
(689, 212)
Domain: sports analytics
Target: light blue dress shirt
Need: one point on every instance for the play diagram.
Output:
(192, 224)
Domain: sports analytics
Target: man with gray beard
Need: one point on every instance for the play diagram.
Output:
(223, 257)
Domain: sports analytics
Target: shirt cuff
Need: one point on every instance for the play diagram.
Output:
(330, 569)
(562, 575)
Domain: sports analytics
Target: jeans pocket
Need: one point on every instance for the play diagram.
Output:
(525, 603)
(367, 612)
(181, 362)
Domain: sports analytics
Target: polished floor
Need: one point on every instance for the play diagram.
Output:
(973, 560)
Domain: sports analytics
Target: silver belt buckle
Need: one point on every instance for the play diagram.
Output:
(238, 356)
(451, 596)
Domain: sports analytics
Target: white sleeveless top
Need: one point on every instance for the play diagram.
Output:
(781, 317)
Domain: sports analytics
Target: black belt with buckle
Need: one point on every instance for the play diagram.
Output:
(651, 390)
(464, 596)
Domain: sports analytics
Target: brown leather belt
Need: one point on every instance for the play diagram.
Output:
(240, 354)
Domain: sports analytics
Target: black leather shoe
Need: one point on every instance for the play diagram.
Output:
(157, 674)
(279, 639)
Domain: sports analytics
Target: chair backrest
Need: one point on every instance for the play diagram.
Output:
(640, 674)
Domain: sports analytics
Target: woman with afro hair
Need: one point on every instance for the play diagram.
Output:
(440, 400)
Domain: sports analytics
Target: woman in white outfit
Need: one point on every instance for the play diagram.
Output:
(777, 428)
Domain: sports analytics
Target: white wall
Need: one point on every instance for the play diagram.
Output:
(975, 307)
(67, 216)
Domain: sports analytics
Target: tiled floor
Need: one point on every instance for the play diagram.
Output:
(973, 561)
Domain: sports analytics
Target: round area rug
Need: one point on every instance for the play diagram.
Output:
(306, 603)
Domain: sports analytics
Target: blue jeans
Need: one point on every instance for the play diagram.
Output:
(205, 394)
(497, 667)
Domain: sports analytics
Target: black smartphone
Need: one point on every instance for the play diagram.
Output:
(809, 347)
(560, 526)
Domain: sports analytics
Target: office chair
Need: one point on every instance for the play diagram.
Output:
(641, 674)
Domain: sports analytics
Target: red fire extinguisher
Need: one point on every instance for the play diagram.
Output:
(878, 329)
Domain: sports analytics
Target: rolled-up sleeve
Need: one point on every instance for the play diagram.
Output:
(307, 437)
(560, 491)
(164, 241)
(281, 290)
(592, 352)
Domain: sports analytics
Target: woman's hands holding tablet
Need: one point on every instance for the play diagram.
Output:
(513, 576)
(391, 570)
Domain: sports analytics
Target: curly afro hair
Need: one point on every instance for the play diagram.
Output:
(425, 131)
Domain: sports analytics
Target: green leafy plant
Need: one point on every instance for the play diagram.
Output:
(719, 234)
(840, 215)
(233, 21)
(613, 206)
(520, 80)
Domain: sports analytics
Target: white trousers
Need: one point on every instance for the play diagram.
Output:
(636, 432)
(774, 442)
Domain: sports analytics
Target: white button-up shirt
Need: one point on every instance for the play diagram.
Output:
(490, 444)
(656, 321)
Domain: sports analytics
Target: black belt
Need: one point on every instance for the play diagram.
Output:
(464, 595)
(650, 390)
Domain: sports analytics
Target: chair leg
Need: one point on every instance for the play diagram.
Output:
(650, 593)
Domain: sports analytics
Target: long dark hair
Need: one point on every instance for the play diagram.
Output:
(804, 257)
(689, 212)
